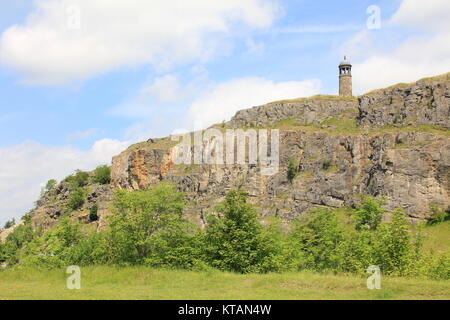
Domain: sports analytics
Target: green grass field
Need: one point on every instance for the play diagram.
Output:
(138, 283)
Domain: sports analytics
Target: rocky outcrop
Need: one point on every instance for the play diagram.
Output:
(306, 111)
(393, 143)
(54, 204)
(410, 169)
(426, 102)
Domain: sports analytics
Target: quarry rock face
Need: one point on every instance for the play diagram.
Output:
(312, 111)
(392, 143)
(399, 150)
(424, 103)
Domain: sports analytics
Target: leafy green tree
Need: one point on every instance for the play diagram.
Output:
(317, 236)
(78, 180)
(93, 213)
(236, 242)
(369, 214)
(139, 218)
(76, 199)
(19, 238)
(9, 223)
(102, 175)
(394, 249)
(54, 248)
(50, 185)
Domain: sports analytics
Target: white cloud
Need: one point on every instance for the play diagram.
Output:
(165, 89)
(84, 134)
(417, 14)
(222, 101)
(48, 50)
(26, 166)
(202, 102)
(422, 54)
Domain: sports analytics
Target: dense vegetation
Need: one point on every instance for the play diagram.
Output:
(147, 228)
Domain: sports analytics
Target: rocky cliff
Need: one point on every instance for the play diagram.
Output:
(393, 143)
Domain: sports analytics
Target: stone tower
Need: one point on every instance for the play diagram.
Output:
(345, 78)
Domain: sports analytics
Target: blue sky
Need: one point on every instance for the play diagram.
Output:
(73, 97)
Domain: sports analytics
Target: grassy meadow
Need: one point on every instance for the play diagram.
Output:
(138, 283)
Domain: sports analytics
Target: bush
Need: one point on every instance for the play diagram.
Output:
(395, 252)
(326, 164)
(369, 214)
(78, 180)
(10, 223)
(102, 175)
(15, 241)
(76, 199)
(292, 170)
(438, 215)
(54, 248)
(93, 213)
(50, 185)
(317, 236)
(142, 218)
(236, 242)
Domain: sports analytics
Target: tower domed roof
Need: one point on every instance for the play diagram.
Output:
(345, 62)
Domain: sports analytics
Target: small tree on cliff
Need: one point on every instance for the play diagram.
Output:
(236, 241)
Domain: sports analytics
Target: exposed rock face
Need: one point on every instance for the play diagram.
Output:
(425, 103)
(313, 111)
(411, 170)
(409, 166)
(393, 143)
(54, 204)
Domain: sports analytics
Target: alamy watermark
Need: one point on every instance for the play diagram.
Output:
(73, 281)
(73, 18)
(230, 147)
(374, 20)
(374, 281)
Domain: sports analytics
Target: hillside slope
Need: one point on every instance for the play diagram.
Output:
(392, 142)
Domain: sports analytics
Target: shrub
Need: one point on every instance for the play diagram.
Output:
(76, 199)
(102, 175)
(54, 248)
(326, 164)
(93, 213)
(236, 242)
(9, 223)
(50, 185)
(78, 180)
(292, 170)
(140, 217)
(438, 215)
(394, 249)
(15, 241)
(369, 214)
(317, 236)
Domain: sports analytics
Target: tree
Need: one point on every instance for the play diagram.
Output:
(140, 217)
(394, 250)
(78, 180)
(317, 236)
(50, 185)
(15, 241)
(76, 199)
(369, 214)
(10, 223)
(93, 213)
(102, 175)
(236, 242)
